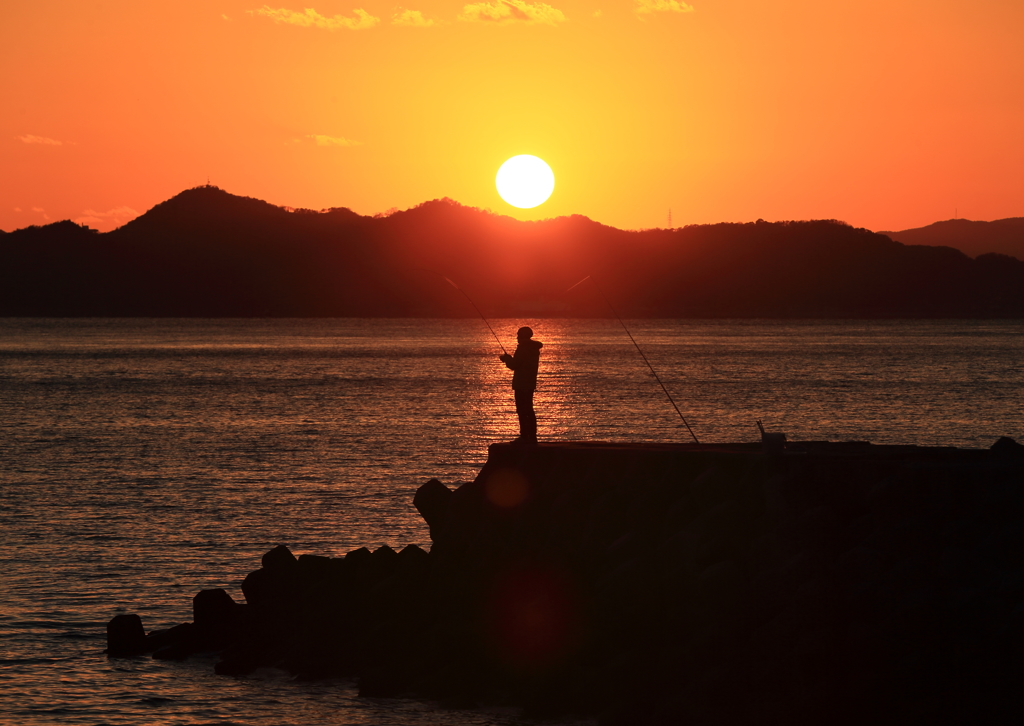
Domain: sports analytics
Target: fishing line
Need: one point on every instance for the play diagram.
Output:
(471, 303)
(638, 350)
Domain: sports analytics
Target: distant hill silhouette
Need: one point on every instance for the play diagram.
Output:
(1003, 236)
(207, 253)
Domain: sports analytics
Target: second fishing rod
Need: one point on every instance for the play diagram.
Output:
(638, 350)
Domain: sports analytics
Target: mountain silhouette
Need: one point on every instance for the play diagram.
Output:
(208, 253)
(1002, 236)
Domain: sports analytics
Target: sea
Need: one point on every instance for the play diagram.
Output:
(143, 460)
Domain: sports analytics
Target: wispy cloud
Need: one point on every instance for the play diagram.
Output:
(30, 139)
(310, 18)
(37, 210)
(511, 11)
(412, 19)
(322, 140)
(649, 7)
(114, 218)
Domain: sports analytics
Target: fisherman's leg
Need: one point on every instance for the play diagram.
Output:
(521, 405)
(527, 416)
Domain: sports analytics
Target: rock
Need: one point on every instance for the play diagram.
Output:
(125, 636)
(385, 556)
(235, 666)
(216, 618)
(279, 558)
(314, 567)
(178, 651)
(257, 586)
(213, 608)
(431, 501)
(277, 586)
(356, 569)
(413, 556)
(179, 634)
(358, 558)
(1007, 448)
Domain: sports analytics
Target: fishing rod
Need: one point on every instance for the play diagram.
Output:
(471, 303)
(638, 350)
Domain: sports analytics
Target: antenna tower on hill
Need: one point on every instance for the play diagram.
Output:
(670, 217)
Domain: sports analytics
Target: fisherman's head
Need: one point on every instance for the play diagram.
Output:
(524, 334)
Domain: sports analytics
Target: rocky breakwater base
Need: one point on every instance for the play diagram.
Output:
(667, 584)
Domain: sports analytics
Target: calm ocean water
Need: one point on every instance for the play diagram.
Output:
(144, 460)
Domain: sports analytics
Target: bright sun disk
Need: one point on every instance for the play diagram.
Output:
(525, 181)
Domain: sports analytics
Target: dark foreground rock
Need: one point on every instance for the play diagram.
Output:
(126, 636)
(648, 584)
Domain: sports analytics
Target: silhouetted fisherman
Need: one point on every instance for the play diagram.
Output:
(524, 382)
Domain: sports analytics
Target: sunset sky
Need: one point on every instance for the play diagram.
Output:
(886, 114)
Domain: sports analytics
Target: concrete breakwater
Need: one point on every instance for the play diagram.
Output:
(666, 584)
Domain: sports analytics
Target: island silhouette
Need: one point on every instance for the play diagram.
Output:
(209, 253)
(1002, 236)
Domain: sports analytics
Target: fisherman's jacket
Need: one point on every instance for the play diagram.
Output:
(524, 363)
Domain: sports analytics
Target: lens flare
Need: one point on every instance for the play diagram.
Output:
(507, 488)
(534, 619)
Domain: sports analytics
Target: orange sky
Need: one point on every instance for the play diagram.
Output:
(885, 114)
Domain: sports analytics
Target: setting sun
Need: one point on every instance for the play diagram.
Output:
(525, 181)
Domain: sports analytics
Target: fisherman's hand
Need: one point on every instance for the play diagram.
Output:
(505, 358)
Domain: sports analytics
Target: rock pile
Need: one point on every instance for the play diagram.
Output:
(312, 615)
(665, 585)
